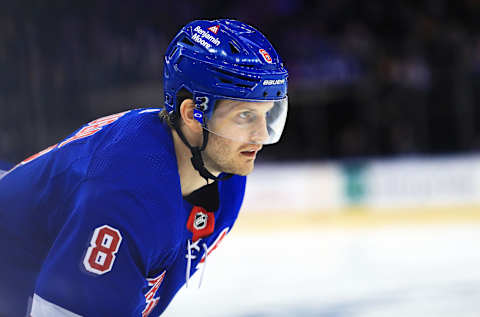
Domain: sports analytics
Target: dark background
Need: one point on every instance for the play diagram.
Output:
(367, 78)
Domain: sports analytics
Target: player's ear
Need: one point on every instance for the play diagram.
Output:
(186, 112)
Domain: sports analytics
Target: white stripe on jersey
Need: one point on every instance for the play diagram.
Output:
(43, 308)
(150, 110)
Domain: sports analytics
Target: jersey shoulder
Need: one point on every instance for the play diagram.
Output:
(139, 147)
(136, 159)
(132, 170)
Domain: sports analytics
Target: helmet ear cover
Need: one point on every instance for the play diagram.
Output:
(182, 95)
(200, 106)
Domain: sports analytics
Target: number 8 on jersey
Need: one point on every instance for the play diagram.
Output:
(104, 245)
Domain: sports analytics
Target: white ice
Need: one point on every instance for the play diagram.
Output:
(429, 270)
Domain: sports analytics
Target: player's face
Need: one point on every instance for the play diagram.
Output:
(245, 121)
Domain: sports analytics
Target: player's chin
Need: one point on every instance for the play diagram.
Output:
(245, 168)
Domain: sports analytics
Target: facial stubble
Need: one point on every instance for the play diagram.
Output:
(224, 155)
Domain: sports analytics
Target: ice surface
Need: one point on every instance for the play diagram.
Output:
(415, 270)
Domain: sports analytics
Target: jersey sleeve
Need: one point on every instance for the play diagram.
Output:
(99, 262)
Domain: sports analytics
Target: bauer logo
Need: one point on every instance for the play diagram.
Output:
(265, 55)
(273, 82)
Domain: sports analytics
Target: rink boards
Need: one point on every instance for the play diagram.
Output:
(255, 220)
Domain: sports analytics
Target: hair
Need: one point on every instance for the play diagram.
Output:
(182, 95)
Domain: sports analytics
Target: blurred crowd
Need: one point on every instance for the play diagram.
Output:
(367, 78)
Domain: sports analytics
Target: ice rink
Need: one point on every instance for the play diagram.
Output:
(334, 271)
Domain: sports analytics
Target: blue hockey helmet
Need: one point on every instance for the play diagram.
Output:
(237, 80)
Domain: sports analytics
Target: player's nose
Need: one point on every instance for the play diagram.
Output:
(259, 133)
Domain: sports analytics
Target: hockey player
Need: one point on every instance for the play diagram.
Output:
(114, 219)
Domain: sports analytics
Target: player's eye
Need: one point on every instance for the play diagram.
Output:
(245, 117)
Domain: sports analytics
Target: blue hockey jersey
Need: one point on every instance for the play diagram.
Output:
(96, 225)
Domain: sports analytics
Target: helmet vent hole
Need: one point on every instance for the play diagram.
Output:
(187, 41)
(173, 52)
(265, 93)
(225, 81)
(230, 74)
(234, 48)
(243, 86)
(279, 93)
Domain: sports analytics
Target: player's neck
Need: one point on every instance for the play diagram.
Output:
(190, 179)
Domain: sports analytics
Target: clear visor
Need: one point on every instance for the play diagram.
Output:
(249, 121)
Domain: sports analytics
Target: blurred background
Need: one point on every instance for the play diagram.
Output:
(366, 77)
(369, 205)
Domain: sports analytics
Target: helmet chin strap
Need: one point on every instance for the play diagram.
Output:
(197, 159)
